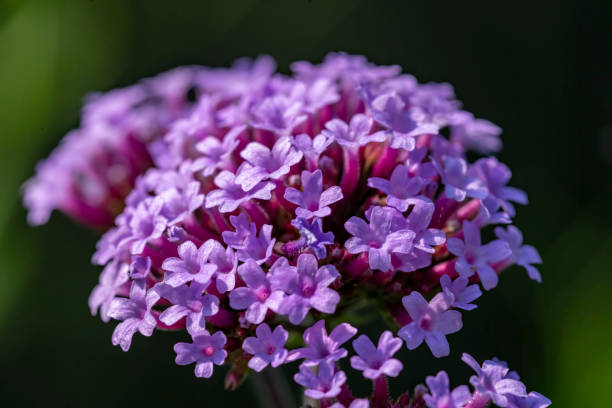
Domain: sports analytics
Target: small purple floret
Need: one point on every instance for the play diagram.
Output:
(440, 395)
(324, 384)
(267, 348)
(473, 257)
(205, 351)
(320, 347)
(430, 322)
(313, 201)
(258, 296)
(306, 286)
(494, 380)
(375, 361)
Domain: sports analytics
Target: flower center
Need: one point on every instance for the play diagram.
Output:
(426, 323)
(270, 349)
(307, 287)
(194, 305)
(263, 294)
(208, 351)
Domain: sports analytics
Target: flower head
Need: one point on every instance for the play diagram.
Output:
(248, 199)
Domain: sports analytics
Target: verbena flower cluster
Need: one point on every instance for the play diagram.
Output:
(272, 202)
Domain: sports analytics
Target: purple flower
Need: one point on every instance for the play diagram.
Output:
(190, 265)
(458, 183)
(523, 255)
(179, 204)
(140, 267)
(324, 384)
(226, 264)
(187, 301)
(461, 294)
(430, 322)
(425, 238)
(472, 256)
(321, 92)
(376, 361)
(479, 135)
(216, 153)
(230, 194)
(492, 380)
(135, 314)
(113, 277)
(403, 124)
(267, 348)
(320, 346)
(417, 167)
(313, 201)
(205, 351)
(532, 400)
(263, 163)
(258, 247)
(243, 229)
(278, 114)
(258, 296)
(382, 237)
(146, 224)
(399, 188)
(495, 176)
(247, 242)
(312, 235)
(353, 135)
(306, 286)
(311, 147)
(440, 395)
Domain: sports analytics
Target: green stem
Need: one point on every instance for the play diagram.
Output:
(272, 389)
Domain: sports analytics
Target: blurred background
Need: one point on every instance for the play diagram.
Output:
(541, 70)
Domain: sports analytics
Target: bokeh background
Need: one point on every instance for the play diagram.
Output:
(542, 70)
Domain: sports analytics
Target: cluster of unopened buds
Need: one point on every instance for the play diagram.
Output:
(257, 206)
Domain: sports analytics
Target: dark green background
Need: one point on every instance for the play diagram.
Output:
(539, 69)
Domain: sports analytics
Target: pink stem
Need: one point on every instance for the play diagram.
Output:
(385, 163)
(468, 211)
(444, 268)
(350, 176)
(220, 221)
(381, 392)
(444, 207)
(478, 401)
(357, 266)
(345, 397)
(256, 213)
(193, 227)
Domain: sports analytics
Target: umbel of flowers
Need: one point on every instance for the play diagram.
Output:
(273, 202)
